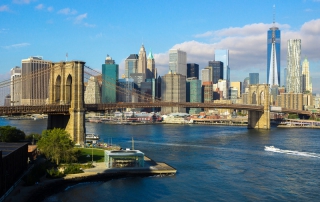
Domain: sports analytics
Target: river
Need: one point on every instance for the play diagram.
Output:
(214, 163)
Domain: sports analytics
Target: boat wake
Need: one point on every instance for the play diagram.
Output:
(290, 152)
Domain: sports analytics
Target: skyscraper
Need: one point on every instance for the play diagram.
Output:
(151, 70)
(15, 86)
(206, 74)
(273, 55)
(142, 61)
(306, 79)
(35, 81)
(110, 75)
(192, 70)
(253, 78)
(294, 84)
(131, 65)
(223, 56)
(217, 70)
(178, 61)
(173, 89)
(193, 93)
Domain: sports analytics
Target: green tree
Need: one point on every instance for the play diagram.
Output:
(11, 134)
(56, 145)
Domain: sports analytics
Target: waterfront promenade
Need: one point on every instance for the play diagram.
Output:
(99, 172)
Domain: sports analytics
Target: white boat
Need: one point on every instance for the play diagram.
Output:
(92, 137)
(271, 148)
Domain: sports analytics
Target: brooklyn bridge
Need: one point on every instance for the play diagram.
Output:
(61, 96)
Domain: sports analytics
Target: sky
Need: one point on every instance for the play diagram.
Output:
(88, 30)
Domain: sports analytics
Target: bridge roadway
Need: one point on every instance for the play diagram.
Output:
(64, 109)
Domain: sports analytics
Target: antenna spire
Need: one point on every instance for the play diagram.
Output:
(274, 14)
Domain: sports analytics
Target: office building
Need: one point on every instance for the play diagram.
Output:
(207, 93)
(206, 74)
(217, 70)
(294, 84)
(236, 85)
(245, 85)
(110, 75)
(290, 100)
(233, 92)
(92, 91)
(142, 61)
(15, 86)
(193, 93)
(223, 56)
(306, 79)
(192, 70)
(254, 78)
(151, 69)
(178, 62)
(173, 89)
(222, 85)
(131, 65)
(127, 93)
(273, 55)
(35, 81)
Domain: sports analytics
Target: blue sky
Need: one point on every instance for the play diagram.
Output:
(89, 30)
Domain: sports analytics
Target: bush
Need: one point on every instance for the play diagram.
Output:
(73, 169)
(54, 173)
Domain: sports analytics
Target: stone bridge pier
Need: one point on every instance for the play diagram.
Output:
(66, 87)
(259, 95)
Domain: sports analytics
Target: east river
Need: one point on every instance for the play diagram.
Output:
(214, 163)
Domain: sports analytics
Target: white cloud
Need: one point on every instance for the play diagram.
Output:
(50, 9)
(40, 7)
(248, 49)
(67, 11)
(4, 8)
(22, 1)
(19, 45)
(79, 18)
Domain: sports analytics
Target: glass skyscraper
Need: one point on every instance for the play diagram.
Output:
(253, 78)
(273, 56)
(110, 75)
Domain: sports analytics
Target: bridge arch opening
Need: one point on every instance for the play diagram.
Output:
(262, 99)
(57, 92)
(254, 98)
(68, 89)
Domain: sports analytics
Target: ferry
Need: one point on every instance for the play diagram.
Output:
(92, 138)
(270, 148)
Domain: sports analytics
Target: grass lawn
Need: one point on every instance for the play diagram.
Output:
(85, 157)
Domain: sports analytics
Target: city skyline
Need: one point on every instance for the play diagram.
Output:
(37, 28)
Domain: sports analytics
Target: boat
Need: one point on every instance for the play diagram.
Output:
(92, 137)
(271, 148)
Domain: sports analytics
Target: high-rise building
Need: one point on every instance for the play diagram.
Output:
(206, 74)
(126, 95)
(192, 70)
(217, 70)
(222, 85)
(92, 92)
(253, 78)
(306, 79)
(142, 61)
(207, 93)
(110, 75)
(178, 61)
(273, 55)
(151, 69)
(245, 85)
(35, 81)
(236, 85)
(173, 89)
(131, 65)
(223, 56)
(193, 93)
(294, 84)
(15, 86)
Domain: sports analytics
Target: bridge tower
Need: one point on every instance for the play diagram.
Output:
(259, 95)
(66, 87)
